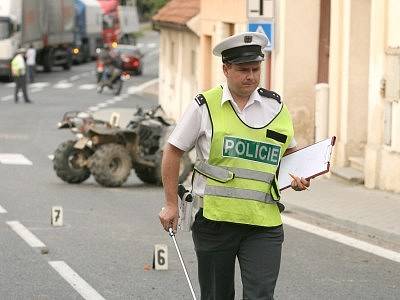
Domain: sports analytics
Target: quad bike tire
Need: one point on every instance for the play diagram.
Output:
(63, 166)
(111, 165)
(152, 175)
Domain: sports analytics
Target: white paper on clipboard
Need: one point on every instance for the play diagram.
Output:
(308, 162)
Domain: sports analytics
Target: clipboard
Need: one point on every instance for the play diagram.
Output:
(308, 162)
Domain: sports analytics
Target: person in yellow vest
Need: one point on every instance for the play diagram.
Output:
(240, 132)
(18, 71)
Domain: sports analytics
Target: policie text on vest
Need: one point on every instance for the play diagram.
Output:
(251, 150)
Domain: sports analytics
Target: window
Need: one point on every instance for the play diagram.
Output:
(231, 28)
(5, 29)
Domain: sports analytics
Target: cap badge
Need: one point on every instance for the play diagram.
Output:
(248, 39)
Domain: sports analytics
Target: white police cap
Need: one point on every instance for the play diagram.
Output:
(242, 48)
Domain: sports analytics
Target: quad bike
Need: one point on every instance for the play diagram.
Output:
(109, 152)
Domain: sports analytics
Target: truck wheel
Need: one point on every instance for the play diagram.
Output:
(68, 64)
(111, 165)
(65, 163)
(152, 175)
(48, 60)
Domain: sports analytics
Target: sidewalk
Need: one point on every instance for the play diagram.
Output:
(371, 213)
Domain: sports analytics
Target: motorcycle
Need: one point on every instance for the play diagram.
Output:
(110, 77)
(109, 152)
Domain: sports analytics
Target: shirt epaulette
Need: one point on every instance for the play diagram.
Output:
(269, 94)
(200, 99)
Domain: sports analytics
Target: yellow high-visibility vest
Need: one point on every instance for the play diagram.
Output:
(241, 170)
(18, 66)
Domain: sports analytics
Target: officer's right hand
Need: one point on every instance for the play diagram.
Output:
(169, 217)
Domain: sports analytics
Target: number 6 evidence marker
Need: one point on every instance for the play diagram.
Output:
(57, 216)
(160, 257)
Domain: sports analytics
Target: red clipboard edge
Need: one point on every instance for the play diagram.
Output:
(333, 141)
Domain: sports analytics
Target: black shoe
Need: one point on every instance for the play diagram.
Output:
(28, 101)
(16, 101)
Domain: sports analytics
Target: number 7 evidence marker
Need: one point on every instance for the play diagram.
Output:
(57, 216)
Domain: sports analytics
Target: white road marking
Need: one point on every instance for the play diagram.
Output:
(39, 84)
(8, 136)
(138, 88)
(7, 98)
(25, 234)
(51, 156)
(139, 45)
(2, 210)
(93, 108)
(35, 90)
(62, 85)
(151, 45)
(343, 239)
(133, 90)
(89, 86)
(75, 77)
(85, 74)
(77, 282)
(14, 159)
(111, 101)
(119, 98)
(11, 84)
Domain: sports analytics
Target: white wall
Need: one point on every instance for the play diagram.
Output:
(295, 62)
(178, 73)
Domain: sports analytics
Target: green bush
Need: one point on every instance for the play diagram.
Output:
(148, 8)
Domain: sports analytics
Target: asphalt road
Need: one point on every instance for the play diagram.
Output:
(109, 234)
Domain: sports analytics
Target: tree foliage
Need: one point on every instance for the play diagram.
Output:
(147, 8)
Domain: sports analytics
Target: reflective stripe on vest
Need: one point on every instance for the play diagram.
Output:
(239, 194)
(224, 174)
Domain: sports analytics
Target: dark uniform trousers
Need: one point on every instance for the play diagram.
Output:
(20, 84)
(257, 248)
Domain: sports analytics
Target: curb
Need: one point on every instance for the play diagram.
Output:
(354, 227)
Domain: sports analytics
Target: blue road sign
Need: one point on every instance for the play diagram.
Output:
(267, 28)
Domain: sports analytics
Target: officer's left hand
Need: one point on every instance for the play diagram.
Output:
(299, 184)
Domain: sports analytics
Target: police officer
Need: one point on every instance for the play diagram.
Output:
(240, 132)
(18, 71)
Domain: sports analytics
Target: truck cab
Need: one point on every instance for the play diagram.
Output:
(9, 36)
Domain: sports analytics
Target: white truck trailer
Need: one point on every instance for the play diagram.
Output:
(129, 23)
(46, 24)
